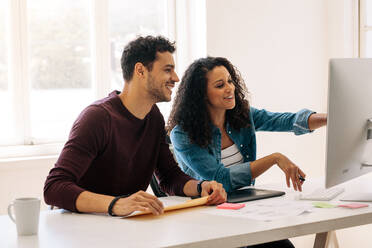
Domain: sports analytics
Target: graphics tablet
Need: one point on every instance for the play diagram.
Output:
(250, 194)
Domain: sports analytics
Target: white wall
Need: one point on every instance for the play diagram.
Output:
(282, 50)
(23, 178)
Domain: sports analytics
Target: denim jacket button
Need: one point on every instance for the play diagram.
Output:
(241, 145)
(247, 156)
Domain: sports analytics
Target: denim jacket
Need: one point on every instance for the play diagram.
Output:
(205, 163)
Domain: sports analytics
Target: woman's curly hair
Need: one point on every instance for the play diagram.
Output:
(190, 105)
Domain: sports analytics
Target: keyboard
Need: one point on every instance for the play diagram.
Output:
(322, 194)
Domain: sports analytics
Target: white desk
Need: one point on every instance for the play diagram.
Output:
(185, 228)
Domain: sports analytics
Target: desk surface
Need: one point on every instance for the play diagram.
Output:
(184, 228)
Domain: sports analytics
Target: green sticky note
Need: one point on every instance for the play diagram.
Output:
(323, 205)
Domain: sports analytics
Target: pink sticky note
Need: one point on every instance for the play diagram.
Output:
(231, 205)
(353, 205)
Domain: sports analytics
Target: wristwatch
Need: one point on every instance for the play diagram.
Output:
(199, 187)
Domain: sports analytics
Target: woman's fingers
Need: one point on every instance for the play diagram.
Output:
(292, 173)
(287, 178)
(294, 180)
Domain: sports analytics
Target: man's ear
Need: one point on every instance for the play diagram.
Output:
(139, 69)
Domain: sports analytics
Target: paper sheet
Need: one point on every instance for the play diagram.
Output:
(265, 210)
(173, 203)
(173, 200)
(323, 205)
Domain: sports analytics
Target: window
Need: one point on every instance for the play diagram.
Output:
(366, 28)
(56, 61)
(7, 130)
(3, 49)
(60, 66)
(150, 20)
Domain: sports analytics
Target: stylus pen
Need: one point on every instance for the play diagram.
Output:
(301, 178)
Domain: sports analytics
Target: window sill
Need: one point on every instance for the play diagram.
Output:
(25, 152)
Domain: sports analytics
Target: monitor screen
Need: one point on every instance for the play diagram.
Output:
(349, 108)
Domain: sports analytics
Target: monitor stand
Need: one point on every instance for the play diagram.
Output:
(359, 195)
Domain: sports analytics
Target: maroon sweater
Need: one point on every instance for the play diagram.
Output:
(112, 152)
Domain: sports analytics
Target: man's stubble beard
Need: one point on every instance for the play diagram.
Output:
(154, 92)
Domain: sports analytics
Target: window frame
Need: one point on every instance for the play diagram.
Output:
(363, 28)
(19, 79)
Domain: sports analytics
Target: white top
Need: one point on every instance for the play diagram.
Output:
(231, 155)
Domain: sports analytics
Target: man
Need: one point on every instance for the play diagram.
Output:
(117, 143)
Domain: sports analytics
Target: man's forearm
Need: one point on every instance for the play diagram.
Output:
(190, 188)
(317, 120)
(89, 202)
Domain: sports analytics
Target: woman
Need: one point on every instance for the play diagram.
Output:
(212, 127)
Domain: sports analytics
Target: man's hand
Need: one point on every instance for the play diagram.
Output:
(292, 171)
(216, 192)
(140, 201)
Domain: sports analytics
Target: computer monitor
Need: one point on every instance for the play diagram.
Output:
(349, 109)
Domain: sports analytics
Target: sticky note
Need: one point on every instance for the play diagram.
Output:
(353, 205)
(323, 205)
(231, 206)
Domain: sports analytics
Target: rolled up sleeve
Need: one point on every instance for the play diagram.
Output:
(240, 175)
(282, 122)
(301, 123)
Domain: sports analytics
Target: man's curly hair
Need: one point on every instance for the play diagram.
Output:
(143, 49)
(190, 105)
